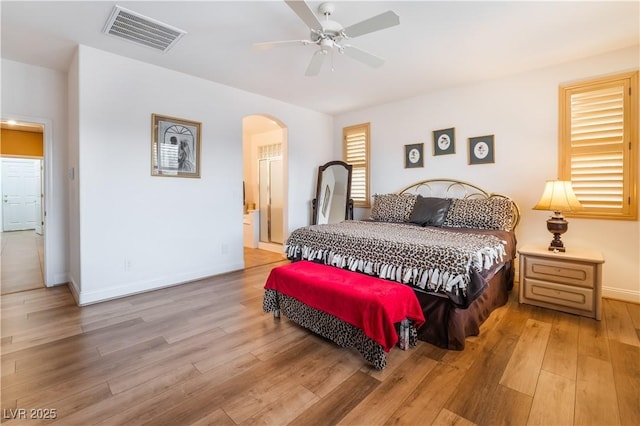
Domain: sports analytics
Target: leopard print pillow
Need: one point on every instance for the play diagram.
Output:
(492, 213)
(392, 207)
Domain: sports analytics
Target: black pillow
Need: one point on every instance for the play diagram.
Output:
(429, 211)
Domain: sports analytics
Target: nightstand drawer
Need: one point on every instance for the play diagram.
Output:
(573, 273)
(559, 294)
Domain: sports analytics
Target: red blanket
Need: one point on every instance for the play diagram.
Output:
(372, 304)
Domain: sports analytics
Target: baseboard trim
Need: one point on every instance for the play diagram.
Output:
(619, 294)
(131, 288)
(274, 247)
(75, 291)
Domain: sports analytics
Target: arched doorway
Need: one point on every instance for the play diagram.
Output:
(265, 182)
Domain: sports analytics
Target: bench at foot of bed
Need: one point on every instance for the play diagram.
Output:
(369, 314)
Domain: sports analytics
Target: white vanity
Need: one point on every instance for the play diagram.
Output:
(251, 224)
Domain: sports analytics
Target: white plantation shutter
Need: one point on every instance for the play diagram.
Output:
(356, 153)
(598, 141)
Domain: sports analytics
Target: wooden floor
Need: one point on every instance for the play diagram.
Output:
(205, 353)
(257, 257)
(22, 257)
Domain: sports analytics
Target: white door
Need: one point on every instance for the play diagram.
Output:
(20, 194)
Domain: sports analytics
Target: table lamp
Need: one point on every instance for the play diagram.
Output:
(558, 196)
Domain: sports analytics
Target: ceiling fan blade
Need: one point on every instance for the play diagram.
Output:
(271, 44)
(316, 63)
(305, 13)
(376, 23)
(362, 56)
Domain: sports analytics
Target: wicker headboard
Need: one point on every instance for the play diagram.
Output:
(447, 188)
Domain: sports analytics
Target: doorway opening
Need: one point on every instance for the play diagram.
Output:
(265, 185)
(22, 213)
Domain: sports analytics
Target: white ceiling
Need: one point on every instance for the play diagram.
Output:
(436, 45)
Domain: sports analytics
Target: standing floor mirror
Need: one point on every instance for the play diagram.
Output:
(333, 201)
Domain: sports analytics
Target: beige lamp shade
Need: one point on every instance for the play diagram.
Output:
(558, 196)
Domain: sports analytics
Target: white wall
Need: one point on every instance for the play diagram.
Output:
(139, 232)
(75, 278)
(38, 94)
(522, 112)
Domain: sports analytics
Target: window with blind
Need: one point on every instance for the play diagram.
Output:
(356, 152)
(598, 129)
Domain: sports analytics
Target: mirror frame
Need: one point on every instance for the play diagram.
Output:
(348, 211)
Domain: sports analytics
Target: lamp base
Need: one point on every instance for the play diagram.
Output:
(557, 225)
(556, 244)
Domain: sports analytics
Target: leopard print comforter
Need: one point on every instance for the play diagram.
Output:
(433, 259)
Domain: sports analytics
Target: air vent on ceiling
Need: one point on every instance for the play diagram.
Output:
(141, 29)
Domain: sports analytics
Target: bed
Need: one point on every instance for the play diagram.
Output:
(451, 241)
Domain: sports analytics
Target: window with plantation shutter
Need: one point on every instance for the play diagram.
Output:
(356, 152)
(598, 129)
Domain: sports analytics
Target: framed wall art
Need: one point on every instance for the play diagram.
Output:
(444, 141)
(413, 156)
(175, 147)
(481, 150)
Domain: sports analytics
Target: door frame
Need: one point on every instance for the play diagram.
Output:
(285, 165)
(47, 173)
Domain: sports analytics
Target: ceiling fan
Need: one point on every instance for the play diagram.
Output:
(328, 34)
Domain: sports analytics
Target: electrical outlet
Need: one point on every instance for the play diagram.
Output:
(127, 264)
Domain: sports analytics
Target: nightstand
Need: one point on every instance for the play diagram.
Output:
(569, 282)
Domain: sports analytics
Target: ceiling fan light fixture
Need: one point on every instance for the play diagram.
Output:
(327, 34)
(326, 44)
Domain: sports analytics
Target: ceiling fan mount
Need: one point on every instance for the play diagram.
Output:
(327, 34)
(326, 8)
(331, 32)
